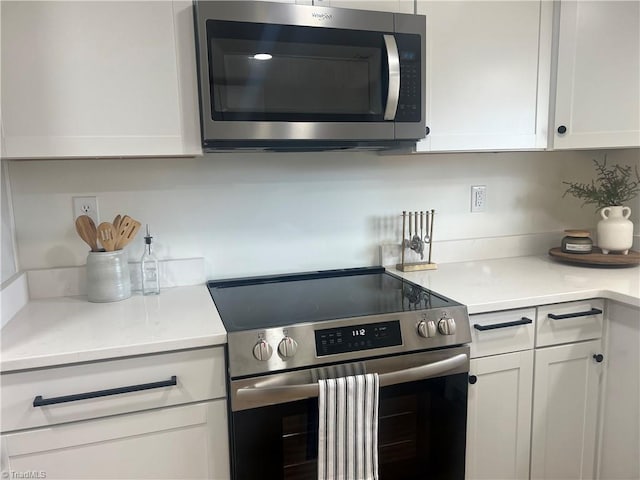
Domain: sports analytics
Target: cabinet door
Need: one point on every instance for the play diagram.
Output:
(598, 98)
(565, 410)
(396, 6)
(621, 410)
(488, 74)
(185, 442)
(98, 78)
(499, 417)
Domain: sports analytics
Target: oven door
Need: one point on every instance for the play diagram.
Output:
(300, 73)
(422, 418)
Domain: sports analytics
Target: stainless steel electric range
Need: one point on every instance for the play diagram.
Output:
(287, 331)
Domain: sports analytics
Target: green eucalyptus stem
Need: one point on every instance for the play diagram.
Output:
(613, 186)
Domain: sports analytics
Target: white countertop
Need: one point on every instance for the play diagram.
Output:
(506, 283)
(63, 330)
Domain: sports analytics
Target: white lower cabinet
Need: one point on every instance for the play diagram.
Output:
(533, 411)
(152, 416)
(171, 443)
(620, 420)
(499, 418)
(565, 411)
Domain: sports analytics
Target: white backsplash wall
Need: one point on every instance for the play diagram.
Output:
(259, 213)
(8, 265)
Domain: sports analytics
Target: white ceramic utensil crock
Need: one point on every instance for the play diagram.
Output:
(108, 277)
(615, 230)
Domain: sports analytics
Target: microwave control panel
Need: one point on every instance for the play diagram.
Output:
(410, 103)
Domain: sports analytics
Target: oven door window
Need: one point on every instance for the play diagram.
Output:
(421, 434)
(263, 72)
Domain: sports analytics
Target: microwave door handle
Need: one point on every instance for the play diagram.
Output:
(393, 60)
(290, 393)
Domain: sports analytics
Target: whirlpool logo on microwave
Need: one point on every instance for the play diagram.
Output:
(322, 16)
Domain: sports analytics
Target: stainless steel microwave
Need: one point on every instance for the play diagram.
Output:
(296, 77)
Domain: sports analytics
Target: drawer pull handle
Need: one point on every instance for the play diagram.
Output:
(40, 402)
(515, 323)
(593, 311)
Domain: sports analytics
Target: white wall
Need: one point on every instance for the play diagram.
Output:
(8, 265)
(267, 213)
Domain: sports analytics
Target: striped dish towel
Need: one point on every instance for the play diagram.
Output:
(348, 428)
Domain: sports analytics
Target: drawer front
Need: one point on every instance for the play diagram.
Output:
(199, 375)
(182, 442)
(569, 322)
(502, 332)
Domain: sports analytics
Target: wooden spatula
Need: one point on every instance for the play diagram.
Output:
(128, 233)
(125, 223)
(87, 231)
(107, 236)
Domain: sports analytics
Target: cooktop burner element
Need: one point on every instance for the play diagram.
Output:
(297, 320)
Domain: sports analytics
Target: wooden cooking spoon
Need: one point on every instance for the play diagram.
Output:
(107, 235)
(116, 222)
(87, 231)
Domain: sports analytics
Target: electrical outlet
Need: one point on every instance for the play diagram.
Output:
(86, 206)
(478, 198)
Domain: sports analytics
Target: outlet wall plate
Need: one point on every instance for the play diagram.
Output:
(478, 198)
(86, 206)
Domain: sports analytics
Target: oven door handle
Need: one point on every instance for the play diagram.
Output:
(290, 393)
(393, 61)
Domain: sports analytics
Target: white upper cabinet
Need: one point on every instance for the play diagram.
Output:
(88, 79)
(396, 6)
(598, 82)
(488, 72)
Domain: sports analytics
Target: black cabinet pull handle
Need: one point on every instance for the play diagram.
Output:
(515, 323)
(562, 129)
(473, 379)
(40, 402)
(598, 357)
(593, 311)
(427, 131)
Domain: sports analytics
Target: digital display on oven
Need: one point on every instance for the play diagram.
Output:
(358, 337)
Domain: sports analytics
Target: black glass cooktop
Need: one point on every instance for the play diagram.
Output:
(275, 301)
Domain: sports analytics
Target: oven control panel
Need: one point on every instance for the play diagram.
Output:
(357, 337)
(303, 345)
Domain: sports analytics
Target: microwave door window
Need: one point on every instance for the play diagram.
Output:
(287, 79)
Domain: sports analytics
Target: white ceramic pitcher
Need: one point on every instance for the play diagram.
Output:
(615, 230)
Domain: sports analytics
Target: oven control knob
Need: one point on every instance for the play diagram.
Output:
(427, 329)
(262, 351)
(447, 326)
(287, 347)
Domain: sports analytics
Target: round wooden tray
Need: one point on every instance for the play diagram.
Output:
(597, 258)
